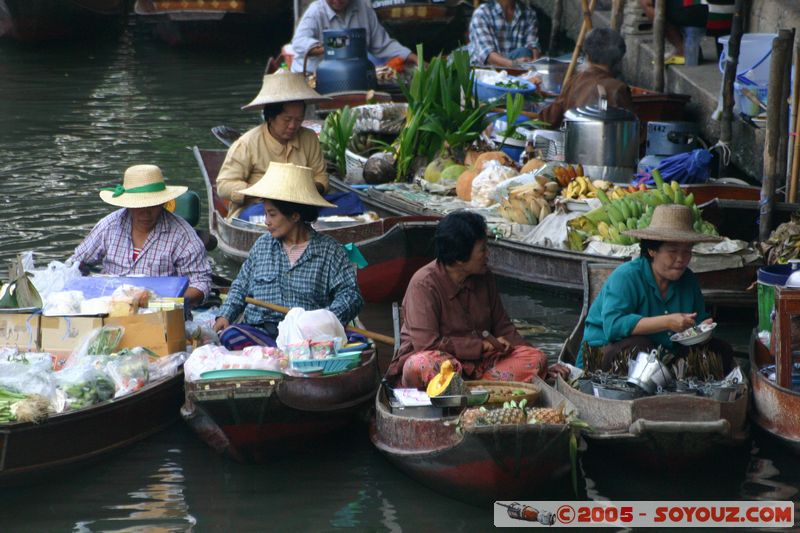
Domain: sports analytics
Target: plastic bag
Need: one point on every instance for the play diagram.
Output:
(55, 277)
(485, 183)
(85, 384)
(28, 373)
(318, 325)
(200, 334)
(101, 341)
(129, 370)
(207, 317)
(63, 303)
(167, 366)
(141, 295)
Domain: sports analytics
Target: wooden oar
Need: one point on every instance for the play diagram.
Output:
(385, 339)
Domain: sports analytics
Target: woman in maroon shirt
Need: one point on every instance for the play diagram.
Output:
(449, 304)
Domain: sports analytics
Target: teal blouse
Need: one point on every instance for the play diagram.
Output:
(629, 294)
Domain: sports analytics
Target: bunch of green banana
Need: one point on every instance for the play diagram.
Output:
(632, 211)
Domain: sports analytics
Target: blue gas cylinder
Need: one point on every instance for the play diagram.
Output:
(345, 66)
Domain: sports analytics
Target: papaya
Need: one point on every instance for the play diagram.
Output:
(464, 184)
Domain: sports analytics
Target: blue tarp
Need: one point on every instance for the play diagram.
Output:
(686, 168)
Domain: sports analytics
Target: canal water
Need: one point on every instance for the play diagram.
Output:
(72, 118)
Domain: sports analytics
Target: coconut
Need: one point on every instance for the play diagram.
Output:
(531, 165)
(433, 172)
(464, 184)
(451, 173)
(379, 168)
(501, 157)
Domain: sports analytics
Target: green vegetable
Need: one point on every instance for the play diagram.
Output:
(511, 84)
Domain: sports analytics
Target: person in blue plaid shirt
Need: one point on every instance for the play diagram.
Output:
(292, 265)
(503, 32)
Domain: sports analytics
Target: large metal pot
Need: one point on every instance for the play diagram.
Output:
(552, 72)
(605, 140)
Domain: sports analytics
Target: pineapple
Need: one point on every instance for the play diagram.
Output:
(473, 417)
(547, 415)
(505, 415)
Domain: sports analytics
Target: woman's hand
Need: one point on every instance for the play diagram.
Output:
(678, 322)
(221, 323)
(708, 321)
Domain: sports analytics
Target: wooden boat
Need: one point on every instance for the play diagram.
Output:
(776, 404)
(249, 418)
(226, 23)
(33, 451)
(560, 268)
(437, 25)
(480, 464)
(659, 431)
(394, 247)
(42, 20)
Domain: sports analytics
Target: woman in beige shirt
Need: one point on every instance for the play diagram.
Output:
(280, 138)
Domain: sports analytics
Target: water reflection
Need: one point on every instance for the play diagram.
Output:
(162, 508)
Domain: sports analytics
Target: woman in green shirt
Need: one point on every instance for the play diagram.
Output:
(643, 302)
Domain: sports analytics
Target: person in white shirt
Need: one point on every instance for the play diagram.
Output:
(341, 14)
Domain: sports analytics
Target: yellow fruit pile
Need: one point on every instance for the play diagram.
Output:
(582, 187)
(529, 203)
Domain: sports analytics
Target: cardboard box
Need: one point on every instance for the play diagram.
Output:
(162, 332)
(60, 335)
(20, 330)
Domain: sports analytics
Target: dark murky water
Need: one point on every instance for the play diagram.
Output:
(72, 118)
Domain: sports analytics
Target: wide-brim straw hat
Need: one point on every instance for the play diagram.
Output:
(142, 186)
(289, 183)
(672, 223)
(284, 86)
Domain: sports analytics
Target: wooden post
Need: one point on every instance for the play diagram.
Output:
(795, 145)
(659, 25)
(617, 9)
(783, 126)
(586, 25)
(781, 50)
(731, 64)
(558, 10)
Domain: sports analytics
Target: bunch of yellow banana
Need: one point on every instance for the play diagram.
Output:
(582, 187)
(616, 193)
(529, 203)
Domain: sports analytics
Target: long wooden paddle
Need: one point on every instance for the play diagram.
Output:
(385, 339)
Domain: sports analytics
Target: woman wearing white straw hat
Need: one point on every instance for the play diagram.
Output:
(644, 301)
(143, 238)
(281, 138)
(292, 265)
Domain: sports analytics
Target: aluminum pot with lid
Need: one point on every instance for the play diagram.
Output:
(605, 140)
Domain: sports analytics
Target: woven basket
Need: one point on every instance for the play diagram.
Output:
(502, 391)
(354, 164)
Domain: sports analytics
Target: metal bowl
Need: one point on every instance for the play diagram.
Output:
(695, 335)
(621, 392)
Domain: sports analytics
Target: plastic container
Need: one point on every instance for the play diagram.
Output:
(755, 53)
(768, 277)
(745, 105)
(490, 91)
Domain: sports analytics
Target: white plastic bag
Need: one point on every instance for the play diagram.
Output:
(55, 277)
(485, 183)
(318, 325)
(62, 303)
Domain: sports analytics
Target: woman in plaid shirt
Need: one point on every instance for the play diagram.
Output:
(293, 265)
(502, 32)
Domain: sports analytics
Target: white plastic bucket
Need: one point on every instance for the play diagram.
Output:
(755, 54)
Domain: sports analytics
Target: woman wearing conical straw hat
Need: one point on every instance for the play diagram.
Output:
(280, 138)
(645, 301)
(143, 238)
(292, 265)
